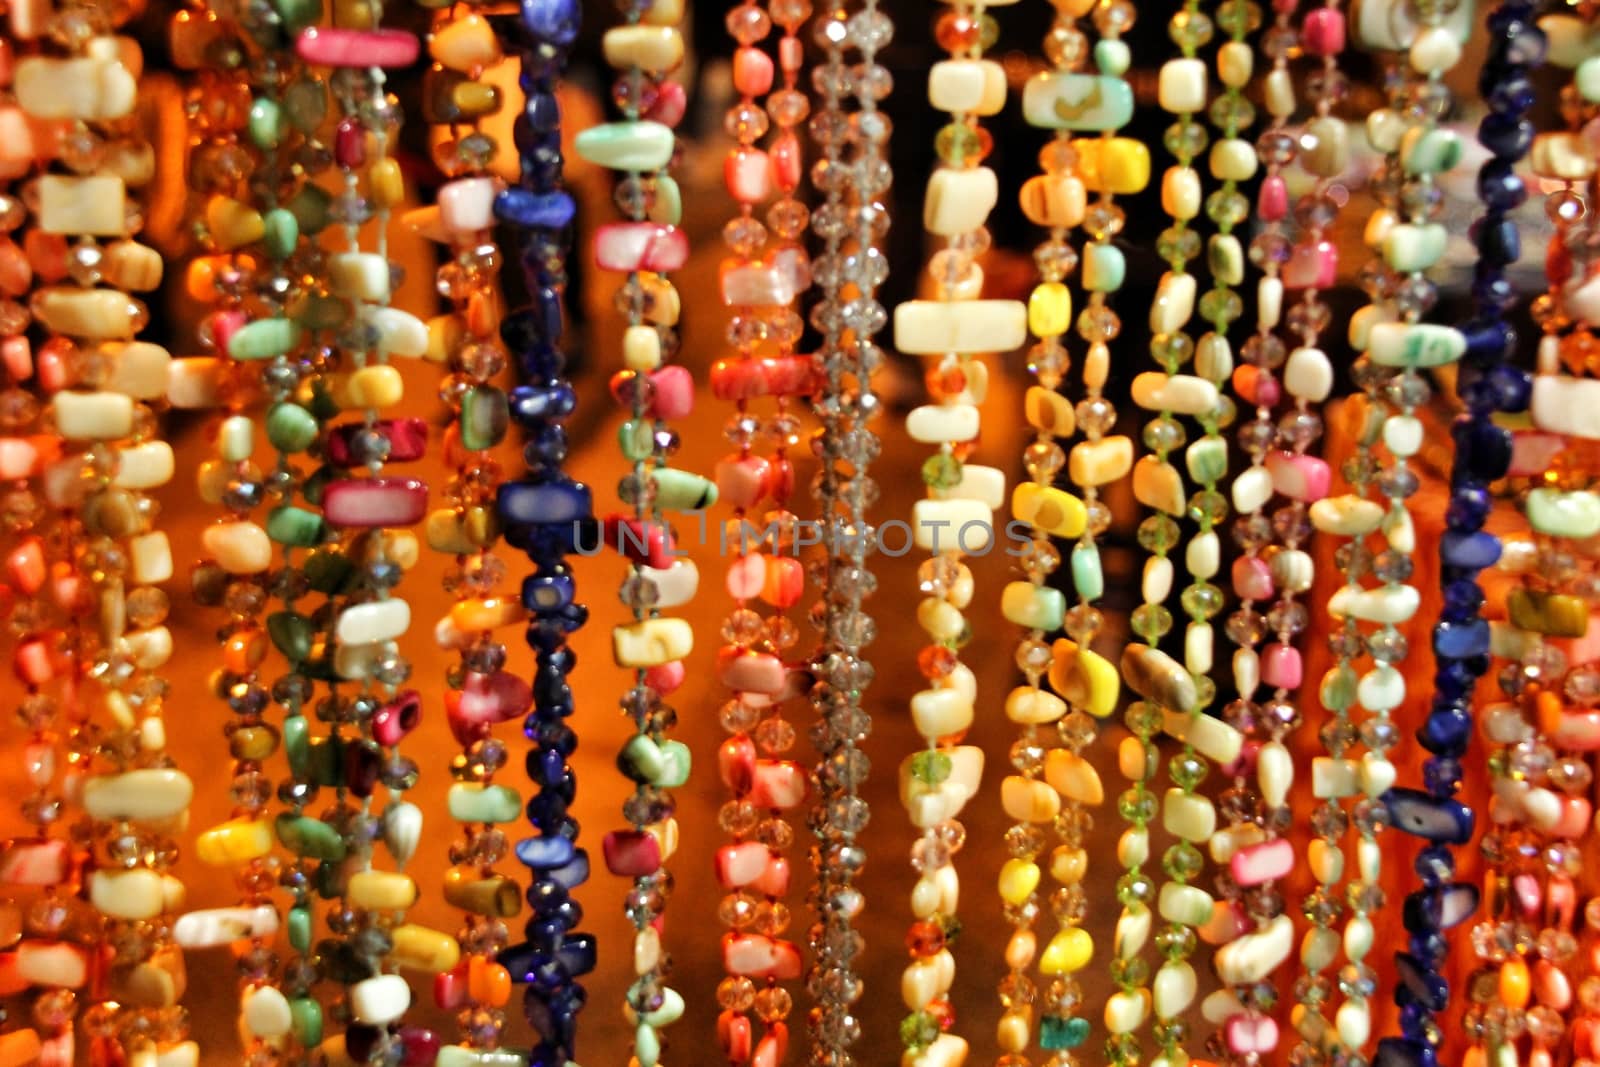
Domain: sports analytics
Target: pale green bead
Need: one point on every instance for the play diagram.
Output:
(470, 802)
(1061, 100)
(1588, 79)
(636, 146)
(678, 762)
(266, 123)
(1113, 56)
(667, 208)
(1104, 267)
(264, 339)
(1207, 460)
(1410, 247)
(1564, 514)
(1088, 577)
(1431, 151)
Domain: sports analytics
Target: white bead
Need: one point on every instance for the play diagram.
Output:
(941, 423)
(1235, 61)
(1220, 1006)
(973, 85)
(1125, 1012)
(937, 328)
(91, 205)
(1181, 86)
(1213, 353)
(1377, 774)
(1434, 50)
(1561, 404)
(1188, 815)
(1308, 374)
(1252, 489)
(399, 333)
(1132, 932)
(1269, 301)
(402, 829)
(1133, 847)
(1346, 516)
(1203, 555)
(1388, 605)
(359, 276)
(986, 485)
(1186, 904)
(958, 200)
(1212, 738)
(1183, 394)
(1274, 773)
(1199, 644)
(940, 712)
(1385, 128)
(1246, 671)
(1326, 861)
(1257, 954)
(946, 1050)
(103, 416)
(946, 525)
(1156, 583)
(1399, 530)
(1369, 859)
(379, 1000)
(1293, 570)
(1358, 937)
(1332, 778)
(1174, 303)
(1381, 689)
(265, 1012)
(675, 585)
(1354, 1022)
(1319, 948)
(1173, 989)
(236, 438)
(1279, 94)
(376, 620)
(134, 894)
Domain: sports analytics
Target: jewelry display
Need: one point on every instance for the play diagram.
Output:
(544, 513)
(852, 177)
(653, 647)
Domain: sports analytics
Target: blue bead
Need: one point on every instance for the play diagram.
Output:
(1507, 136)
(1498, 240)
(571, 875)
(544, 852)
(1425, 987)
(1471, 550)
(552, 22)
(534, 403)
(1440, 907)
(550, 502)
(577, 954)
(542, 111)
(1446, 731)
(1430, 818)
(1489, 340)
(1460, 640)
(1514, 387)
(543, 593)
(522, 207)
(1397, 1052)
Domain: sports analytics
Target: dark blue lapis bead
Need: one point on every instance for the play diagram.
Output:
(1498, 240)
(1474, 551)
(546, 768)
(546, 807)
(538, 403)
(1442, 777)
(1513, 93)
(1526, 43)
(1483, 448)
(543, 593)
(524, 330)
(544, 851)
(546, 502)
(1440, 907)
(520, 959)
(1514, 386)
(1468, 508)
(1446, 731)
(552, 692)
(552, 23)
(1494, 293)
(522, 207)
(557, 906)
(546, 932)
(1398, 1052)
(1462, 595)
(564, 660)
(1491, 340)
(1425, 987)
(1430, 818)
(1430, 946)
(541, 111)
(577, 954)
(1458, 640)
(1435, 864)
(555, 735)
(1509, 137)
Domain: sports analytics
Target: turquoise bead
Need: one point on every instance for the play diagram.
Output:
(637, 146)
(307, 1016)
(1113, 56)
(1088, 577)
(299, 925)
(1058, 100)
(264, 339)
(1104, 267)
(266, 123)
(295, 527)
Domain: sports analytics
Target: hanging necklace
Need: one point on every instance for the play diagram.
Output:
(653, 646)
(544, 514)
(852, 176)
(763, 292)
(368, 513)
(955, 519)
(105, 412)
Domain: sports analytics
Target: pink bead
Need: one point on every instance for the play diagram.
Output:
(634, 246)
(392, 722)
(649, 543)
(1255, 386)
(1265, 862)
(746, 574)
(1252, 578)
(1529, 896)
(16, 355)
(1272, 203)
(631, 853)
(772, 282)
(1281, 667)
(758, 956)
(30, 661)
(25, 566)
(747, 174)
(1312, 266)
(1248, 1034)
(1244, 764)
(773, 881)
(32, 862)
(778, 784)
(734, 1036)
(669, 391)
(791, 53)
(350, 145)
(741, 480)
(1562, 896)
(18, 458)
(1532, 452)
(1322, 32)
(1298, 477)
(408, 440)
(669, 106)
(665, 678)
(55, 369)
(330, 47)
(747, 671)
(738, 865)
(450, 988)
(752, 71)
(1575, 815)
(369, 502)
(224, 324)
(736, 763)
(788, 161)
(746, 379)
(1552, 986)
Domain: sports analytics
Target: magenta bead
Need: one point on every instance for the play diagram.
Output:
(392, 722)
(631, 853)
(332, 47)
(350, 145)
(408, 440)
(1322, 33)
(363, 503)
(669, 394)
(1299, 477)
(1272, 204)
(1312, 266)
(634, 246)
(1246, 1034)
(669, 106)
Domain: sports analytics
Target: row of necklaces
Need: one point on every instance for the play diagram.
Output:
(1259, 806)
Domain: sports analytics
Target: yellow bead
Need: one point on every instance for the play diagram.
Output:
(1049, 309)
(232, 224)
(444, 337)
(385, 184)
(1069, 951)
(420, 948)
(475, 99)
(651, 642)
(356, 14)
(941, 619)
(1053, 510)
(235, 842)
(1068, 865)
(377, 386)
(1085, 678)
(1515, 984)
(1116, 165)
(1018, 880)
(488, 613)
(662, 305)
(381, 891)
(641, 348)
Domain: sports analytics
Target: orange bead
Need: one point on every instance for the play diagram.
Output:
(1515, 983)
(488, 983)
(483, 318)
(243, 651)
(1547, 706)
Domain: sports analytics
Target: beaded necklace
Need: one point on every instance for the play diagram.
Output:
(480, 691)
(852, 176)
(955, 519)
(762, 290)
(543, 514)
(105, 412)
(368, 514)
(652, 646)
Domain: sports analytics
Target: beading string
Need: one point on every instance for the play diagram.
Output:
(546, 513)
(645, 50)
(852, 176)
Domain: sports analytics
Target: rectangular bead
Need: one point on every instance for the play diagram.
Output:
(937, 328)
(90, 205)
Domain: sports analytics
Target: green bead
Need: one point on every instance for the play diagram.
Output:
(312, 206)
(316, 482)
(308, 837)
(930, 767)
(483, 803)
(306, 1014)
(1113, 56)
(295, 527)
(282, 232)
(1412, 247)
(291, 634)
(918, 1030)
(322, 405)
(1143, 719)
(485, 414)
(667, 207)
(646, 1045)
(1151, 622)
(297, 14)
(328, 570)
(1185, 139)
(1207, 460)
(1158, 534)
(956, 142)
(675, 767)
(267, 123)
(1177, 245)
(1190, 30)
(1105, 268)
(290, 427)
(637, 146)
(297, 746)
(1088, 577)
(327, 755)
(678, 490)
(1434, 150)
(264, 339)
(1202, 600)
(1182, 862)
(1563, 514)
(306, 101)
(941, 471)
(299, 926)
(1057, 1032)
(636, 438)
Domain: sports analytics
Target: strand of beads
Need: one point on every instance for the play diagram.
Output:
(955, 327)
(652, 646)
(480, 691)
(761, 291)
(1410, 247)
(369, 514)
(105, 414)
(1311, 266)
(229, 164)
(40, 625)
(853, 176)
(544, 513)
